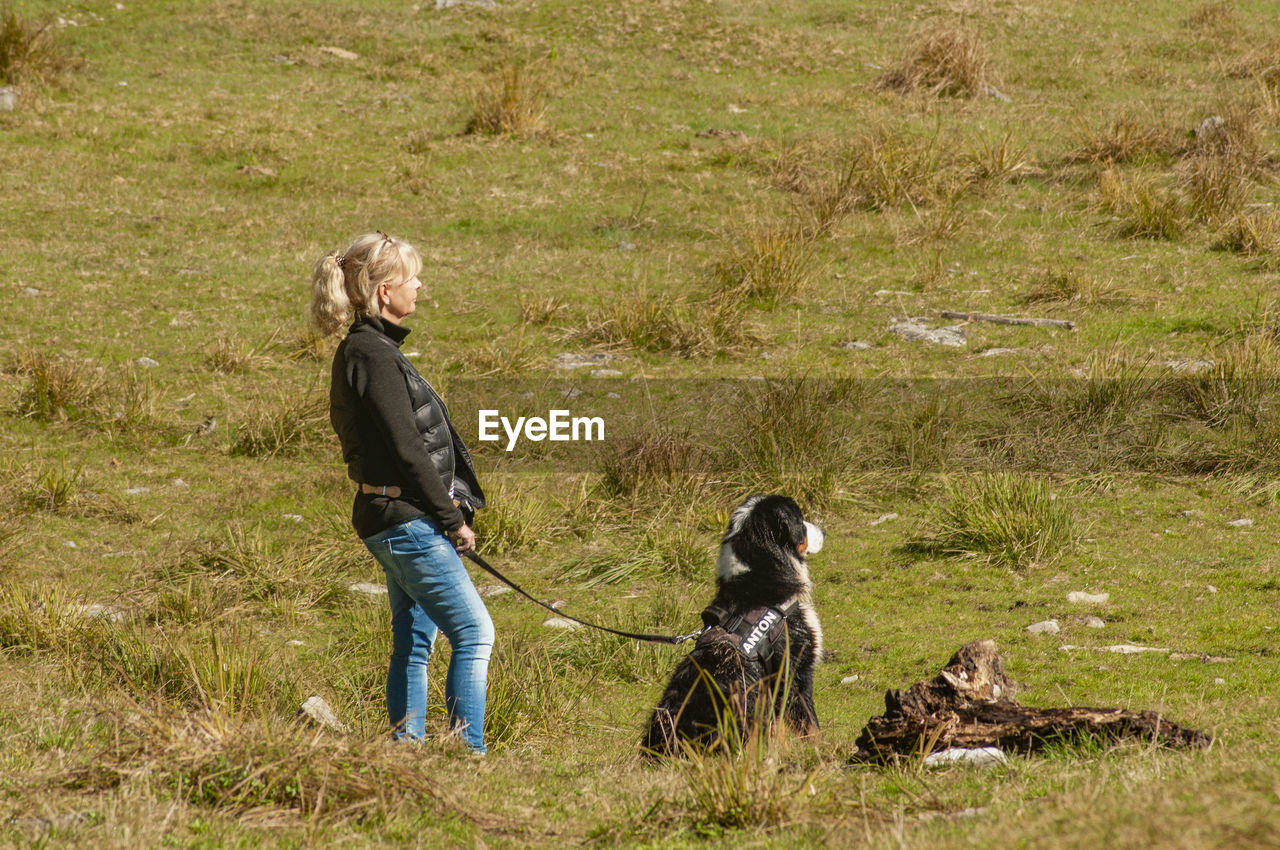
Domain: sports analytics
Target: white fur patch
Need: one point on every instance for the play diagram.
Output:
(729, 565)
(740, 515)
(815, 536)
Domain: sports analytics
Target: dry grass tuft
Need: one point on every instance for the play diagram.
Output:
(664, 323)
(28, 51)
(1144, 209)
(539, 308)
(655, 461)
(1122, 140)
(773, 263)
(230, 356)
(1067, 286)
(997, 160)
(284, 425)
(1262, 63)
(1214, 15)
(1255, 234)
(57, 389)
(944, 61)
(1216, 187)
(510, 102)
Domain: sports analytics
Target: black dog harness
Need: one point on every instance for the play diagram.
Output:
(758, 633)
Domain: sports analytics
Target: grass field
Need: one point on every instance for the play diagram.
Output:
(728, 206)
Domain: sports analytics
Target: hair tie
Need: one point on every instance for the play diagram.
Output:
(341, 260)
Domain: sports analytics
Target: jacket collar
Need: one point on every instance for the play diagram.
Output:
(377, 324)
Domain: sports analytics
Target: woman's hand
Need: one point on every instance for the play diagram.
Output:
(464, 539)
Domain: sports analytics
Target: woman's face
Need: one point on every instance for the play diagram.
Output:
(399, 299)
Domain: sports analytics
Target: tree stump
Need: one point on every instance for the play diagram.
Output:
(970, 704)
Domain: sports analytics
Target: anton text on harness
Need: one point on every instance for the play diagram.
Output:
(758, 633)
(474, 556)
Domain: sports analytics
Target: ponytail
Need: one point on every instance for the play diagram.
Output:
(330, 304)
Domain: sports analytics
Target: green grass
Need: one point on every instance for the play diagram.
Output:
(173, 170)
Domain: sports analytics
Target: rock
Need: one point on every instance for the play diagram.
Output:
(996, 352)
(605, 373)
(626, 246)
(1079, 597)
(319, 711)
(98, 611)
(137, 491)
(295, 642)
(1243, 522)
(1211, 127)
(562, 623)
(1191, 514)
(293, 517)
(849, 680)
(1196, 656)
(913, 331)
(70, 544)
(449, 4)
(178, 482)
(883, 518)
(577, 360)
(1095, 623)
(207, 426)
(1219, 681)
(881, 293)
(1211, 588)
(31, 290)
(978, 757)
(340, 53)
(489, 591)
(853, 345)
(8, 98)
(147, 363)
(1189, 367)
(998, 95)
(1044, 627)
(571, 393)
(256, 171)
(369, 588)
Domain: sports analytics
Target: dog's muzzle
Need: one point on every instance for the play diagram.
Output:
(815, 538)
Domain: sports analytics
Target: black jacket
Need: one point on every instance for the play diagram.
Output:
(394, 429)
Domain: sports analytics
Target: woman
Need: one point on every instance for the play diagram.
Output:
(417, 487)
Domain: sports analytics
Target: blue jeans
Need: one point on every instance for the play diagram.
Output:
(430, 592)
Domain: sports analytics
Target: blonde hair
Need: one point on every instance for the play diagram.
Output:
(345, 285)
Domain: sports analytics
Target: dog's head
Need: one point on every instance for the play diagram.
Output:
(767, 542)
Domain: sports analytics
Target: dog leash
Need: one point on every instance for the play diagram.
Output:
(475, 558)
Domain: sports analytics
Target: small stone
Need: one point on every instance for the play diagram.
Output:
(1079, 597)
(605, 373)
(1214, 125)
(882, 293)
(178, 482)
(294, 642)
(98, 611)
(369, 588)
(561, 623)
(70, 544)
(1131, 649)
(997, 94)
(8, 99)
(340, 53)
(978, 757)
(1243, 522)
(256, 171)
(1095, 623)
(571, 393)
(1189, 367)
(1190, 514)
(1219, 681)
(319, 711)
(488, 591)
(717, 133)
(1211, 589)
(449, 4)
(849, 680)
(293, 517)
(883, 518)
(147, 362)
(137, 491)
(626, 246)
(1044, 627)
(853, 345)
(31, 290)
(996, 352)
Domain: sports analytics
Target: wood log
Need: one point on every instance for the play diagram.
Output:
(970, 704)
(1008, 320)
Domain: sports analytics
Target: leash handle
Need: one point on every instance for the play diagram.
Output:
(474, 557)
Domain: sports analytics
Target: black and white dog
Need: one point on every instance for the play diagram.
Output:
(754, 661)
